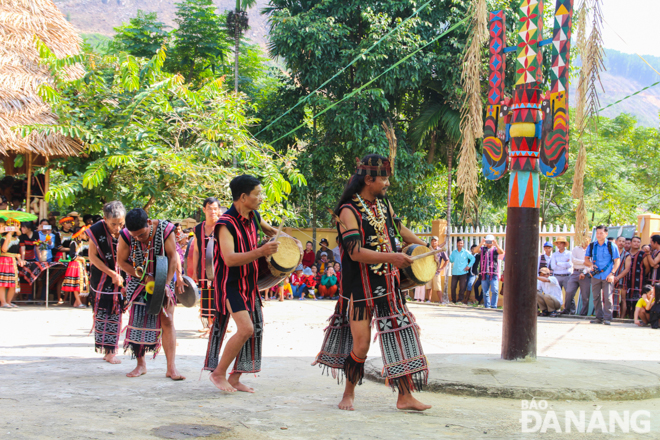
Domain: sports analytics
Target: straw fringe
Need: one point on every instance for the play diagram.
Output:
(21, 21)
(472, 111)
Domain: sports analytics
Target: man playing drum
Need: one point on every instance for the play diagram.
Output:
(236, 286)
(203, 235)
(370, 286)
(141, 242)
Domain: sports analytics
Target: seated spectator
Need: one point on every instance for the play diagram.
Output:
(308, 255)
(328, 287)
(297, 282)
(323, 263)
(644, 305)
(309, 278)
(548, 295)
(286, 292)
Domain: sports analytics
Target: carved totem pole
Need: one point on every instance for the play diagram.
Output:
(527, 135)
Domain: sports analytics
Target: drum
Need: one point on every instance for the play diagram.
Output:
(190, 295)
(160, 279)
(421, 271)
(281, 264)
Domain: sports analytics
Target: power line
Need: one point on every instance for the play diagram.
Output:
(302, 100)
(354, 92)
(629, 96)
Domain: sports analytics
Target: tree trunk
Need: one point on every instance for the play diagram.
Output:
(431, 155)
(149, 204)
(237, 42)
(450, 155)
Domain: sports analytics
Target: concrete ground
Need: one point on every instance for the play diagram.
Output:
(53, 385)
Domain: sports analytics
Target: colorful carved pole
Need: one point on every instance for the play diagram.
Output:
(527, 135)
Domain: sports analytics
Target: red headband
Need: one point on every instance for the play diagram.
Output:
(373, 167)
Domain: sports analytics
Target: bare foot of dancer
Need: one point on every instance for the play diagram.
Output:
(111, 358)
(139, 371)
(347, 402)
(234, 381)
(222, 383)
(408, 402)
(173, 374)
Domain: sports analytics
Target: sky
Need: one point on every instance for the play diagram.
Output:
(636, 21)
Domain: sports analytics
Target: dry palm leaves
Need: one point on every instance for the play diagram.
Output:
(21, 21)
(471, 114)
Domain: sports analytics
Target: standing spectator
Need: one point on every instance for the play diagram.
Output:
(328, 286)
(653, 260)
(435, 285)
(636, 274)
(548, 295)
(578, 280)
(46, 235)
(628, 244)
(26, 241)
(561, 266)
(324, 248)
(544, 258)
(462, 262)
(490, 275)
(308, 255)
(620, 279)
(336, 255)
(475, 277)
(603, 258)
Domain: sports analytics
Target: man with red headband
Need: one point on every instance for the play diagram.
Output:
(370, 286)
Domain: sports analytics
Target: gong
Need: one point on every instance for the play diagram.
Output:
(210, 274)
(190, 295)
(160, 281)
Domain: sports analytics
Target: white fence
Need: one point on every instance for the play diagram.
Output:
(471, 235)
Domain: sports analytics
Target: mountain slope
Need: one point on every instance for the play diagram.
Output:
(101, 16)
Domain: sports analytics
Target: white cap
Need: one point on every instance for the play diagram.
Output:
(490, 237)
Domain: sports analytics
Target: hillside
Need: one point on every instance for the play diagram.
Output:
(101, 16)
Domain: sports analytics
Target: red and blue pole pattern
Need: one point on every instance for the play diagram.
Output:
(528, 134)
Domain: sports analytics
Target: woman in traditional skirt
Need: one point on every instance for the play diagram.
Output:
(64, 237)
(75, 277)
(107, 283)
(9, 263)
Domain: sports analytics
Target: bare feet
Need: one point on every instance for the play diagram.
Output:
(222, 383)
(235, 382)
(347, 402)
(139, 371)
(408, 402)
(173, 374)
(111, 358)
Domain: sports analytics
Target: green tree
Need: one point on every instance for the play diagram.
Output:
(153, 141)
(316, 39)
(142, 36)
(200, 45)
(237, 23)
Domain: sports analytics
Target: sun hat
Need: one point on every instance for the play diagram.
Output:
(300, 267)
(545, 270)
(307, 271)
(490, 237)
(561, 240)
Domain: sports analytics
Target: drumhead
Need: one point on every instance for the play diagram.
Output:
(287, 256)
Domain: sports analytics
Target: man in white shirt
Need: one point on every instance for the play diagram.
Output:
(548, 295)
(561, 265)
(574, 281)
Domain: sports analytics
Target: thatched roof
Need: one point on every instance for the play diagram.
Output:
(21, 74)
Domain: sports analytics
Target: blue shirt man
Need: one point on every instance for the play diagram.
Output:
(603, 258)
(461, 260)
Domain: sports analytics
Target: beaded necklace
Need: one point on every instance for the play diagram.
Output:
(378, 224)
(140, 270)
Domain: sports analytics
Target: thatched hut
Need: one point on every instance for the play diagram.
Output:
(20, 77)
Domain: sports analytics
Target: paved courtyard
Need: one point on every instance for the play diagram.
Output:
(53, 385)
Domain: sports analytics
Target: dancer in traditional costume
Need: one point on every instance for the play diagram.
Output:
(370, 286)
(140, 242)
(107, 280)
(9, 261)
(203, 235)
(236, 289)
(75, 277)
